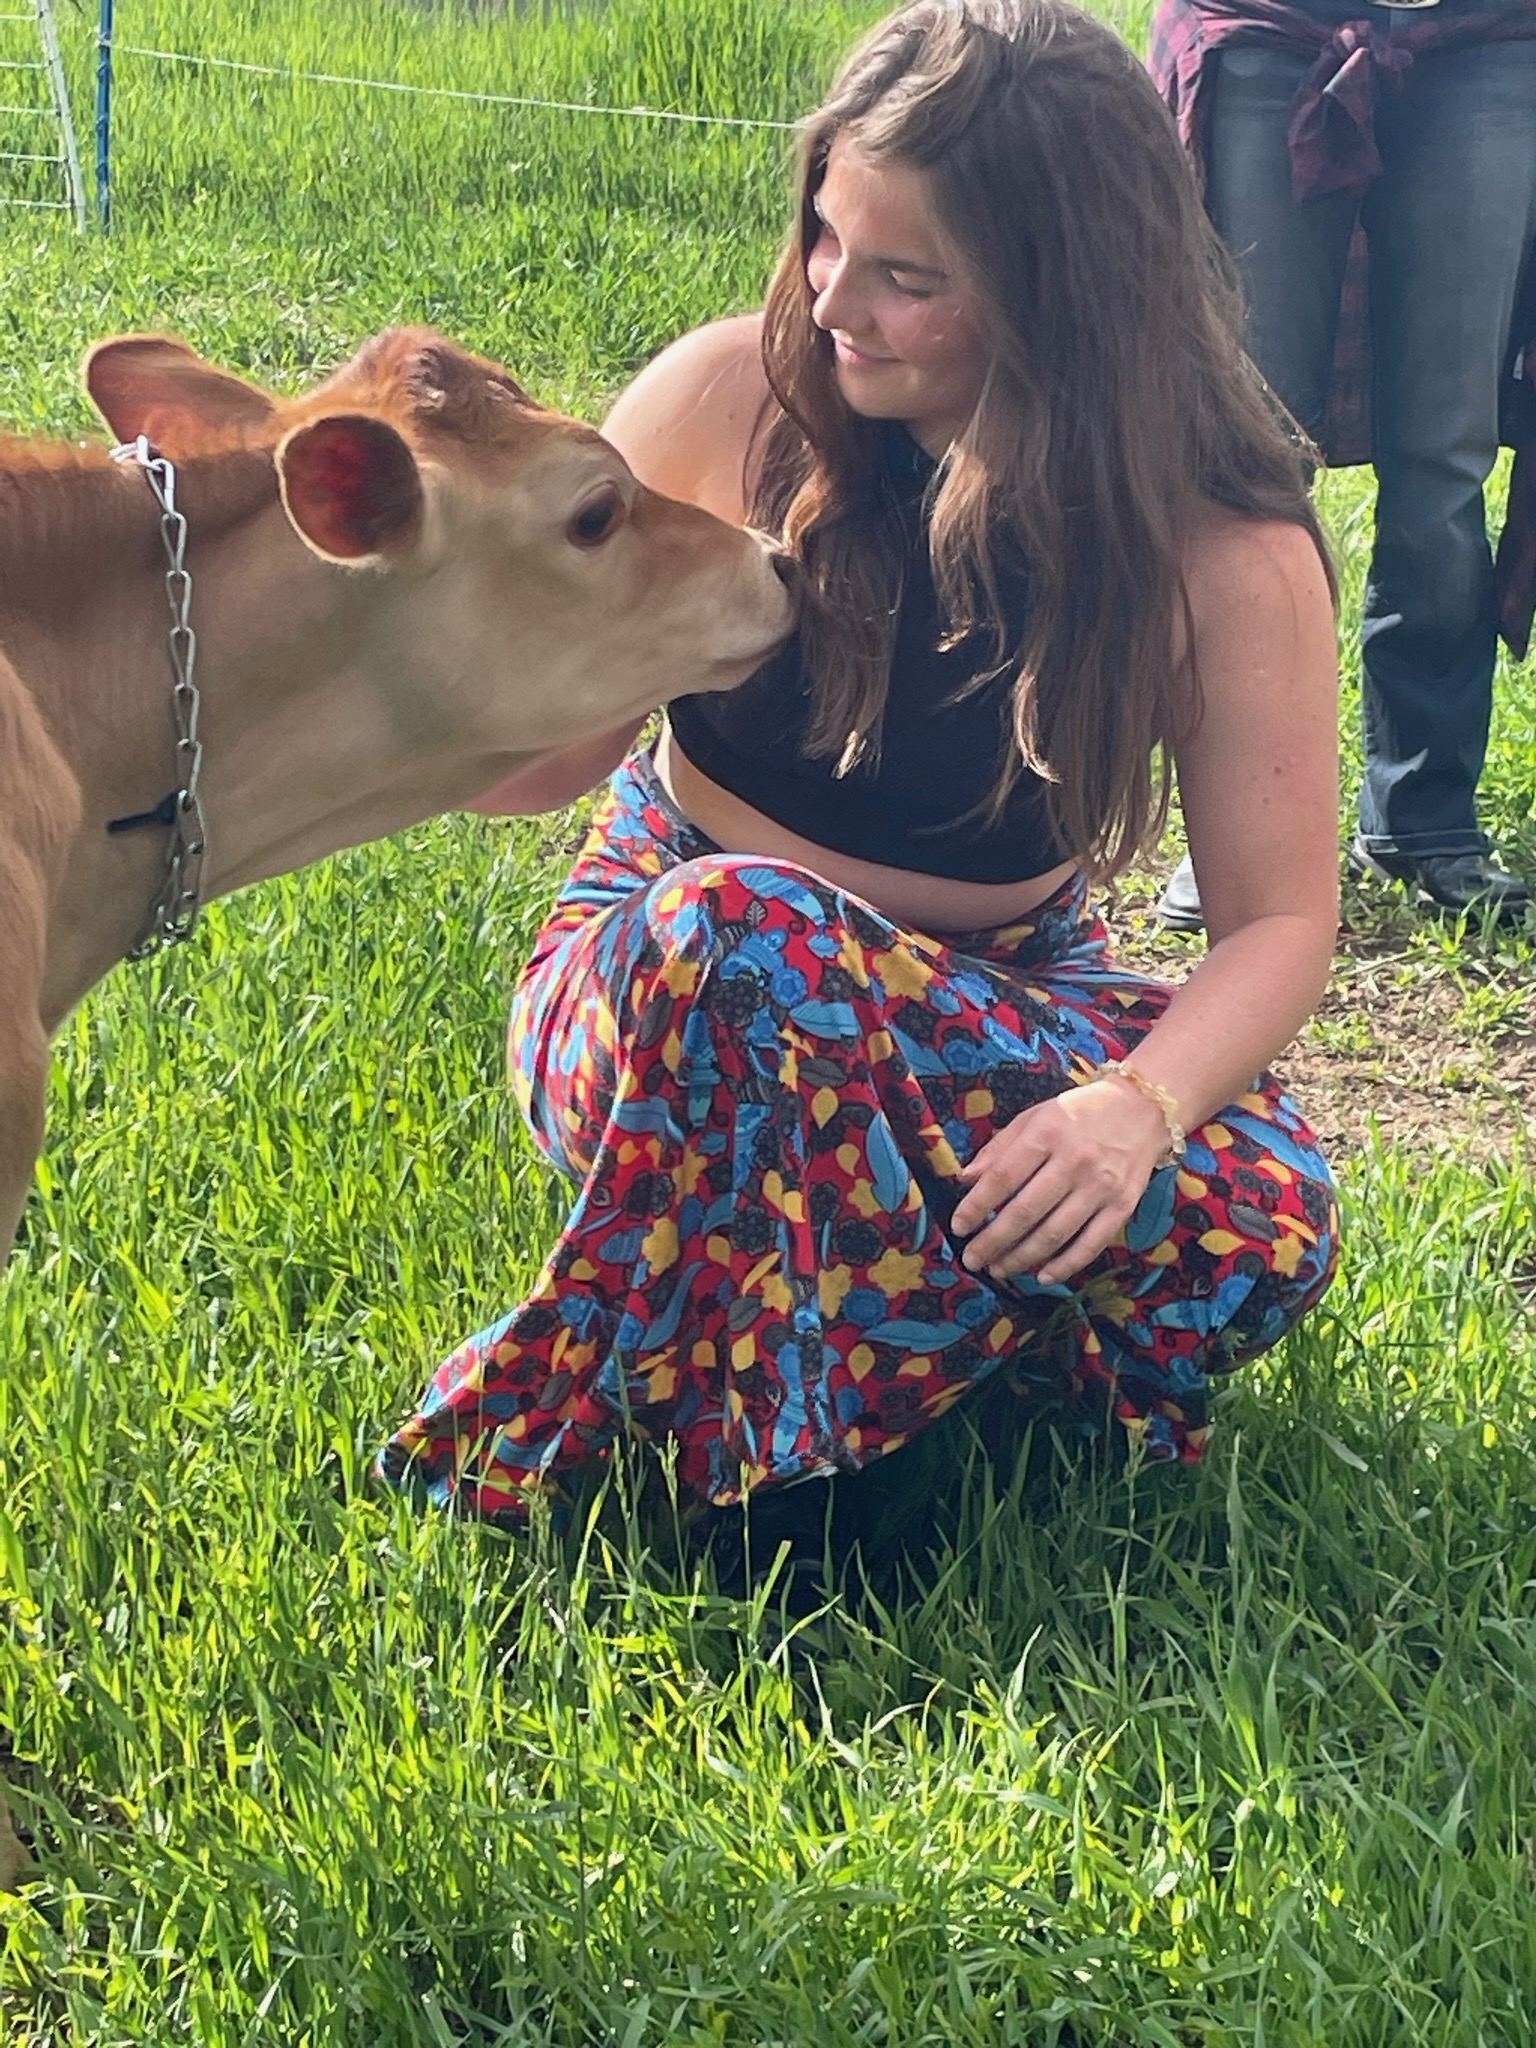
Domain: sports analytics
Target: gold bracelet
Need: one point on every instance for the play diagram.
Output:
(1164, 1099)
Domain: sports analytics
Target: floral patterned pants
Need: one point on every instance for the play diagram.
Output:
(763, 1091)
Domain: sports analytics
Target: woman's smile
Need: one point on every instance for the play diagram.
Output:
(856, 358)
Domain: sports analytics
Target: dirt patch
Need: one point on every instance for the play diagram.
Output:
(1426, 1038)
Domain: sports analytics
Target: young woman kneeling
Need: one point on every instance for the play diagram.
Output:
(823, 1028)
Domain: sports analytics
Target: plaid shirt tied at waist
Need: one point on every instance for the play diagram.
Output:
(1332, 143)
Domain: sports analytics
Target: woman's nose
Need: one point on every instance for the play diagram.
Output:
(834, 303)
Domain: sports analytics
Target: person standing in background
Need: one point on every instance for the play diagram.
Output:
(1372, 163)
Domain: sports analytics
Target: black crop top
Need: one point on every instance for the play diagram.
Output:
(916, 808)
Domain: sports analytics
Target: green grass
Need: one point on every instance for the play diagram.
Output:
(1244, 1755)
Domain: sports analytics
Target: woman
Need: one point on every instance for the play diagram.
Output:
(859, 1107)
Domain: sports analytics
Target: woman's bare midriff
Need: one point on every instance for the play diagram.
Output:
(925, 903)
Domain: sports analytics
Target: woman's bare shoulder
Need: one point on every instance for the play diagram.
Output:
(687, 422)
(1235, 563)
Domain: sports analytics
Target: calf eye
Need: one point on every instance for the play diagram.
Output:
(598, 519)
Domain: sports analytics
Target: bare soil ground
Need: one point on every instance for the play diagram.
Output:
(1426, 1036)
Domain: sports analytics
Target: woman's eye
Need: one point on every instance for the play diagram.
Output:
(599, 518)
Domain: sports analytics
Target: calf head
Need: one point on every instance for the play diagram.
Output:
(526, 592)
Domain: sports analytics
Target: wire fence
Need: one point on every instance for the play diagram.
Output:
(34, 114)
(52, 107)
(442, 92)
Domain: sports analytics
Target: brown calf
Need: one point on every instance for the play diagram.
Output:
(406, 586)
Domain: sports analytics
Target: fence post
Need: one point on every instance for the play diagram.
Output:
(104, 117)
(69, 155)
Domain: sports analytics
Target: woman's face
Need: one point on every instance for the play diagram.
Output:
(906, 341)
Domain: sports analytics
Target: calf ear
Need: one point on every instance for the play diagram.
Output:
(154, 385)
(351, 487)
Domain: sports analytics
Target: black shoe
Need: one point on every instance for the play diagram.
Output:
(1179, 905)
(1470, 883)
(745, 1542)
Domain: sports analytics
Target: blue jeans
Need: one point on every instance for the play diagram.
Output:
(1450, 223)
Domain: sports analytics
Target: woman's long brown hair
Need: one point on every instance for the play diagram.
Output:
(1117, 408)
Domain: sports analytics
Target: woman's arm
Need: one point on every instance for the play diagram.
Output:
(1259, 782)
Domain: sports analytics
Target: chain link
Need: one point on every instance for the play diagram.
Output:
(174, 914)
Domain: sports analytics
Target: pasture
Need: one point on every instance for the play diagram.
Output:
(1243, 1755)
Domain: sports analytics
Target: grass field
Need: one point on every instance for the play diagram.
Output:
(1244, 1755)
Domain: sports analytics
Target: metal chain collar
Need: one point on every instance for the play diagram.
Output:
(174, 913)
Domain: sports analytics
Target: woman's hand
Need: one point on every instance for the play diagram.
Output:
(1050, 1190)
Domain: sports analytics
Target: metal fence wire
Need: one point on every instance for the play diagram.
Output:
(109, 47)
(39, 159)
